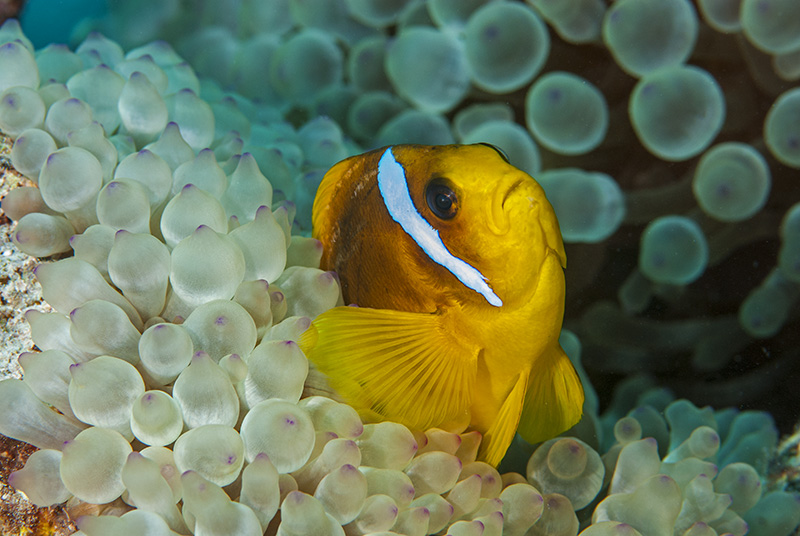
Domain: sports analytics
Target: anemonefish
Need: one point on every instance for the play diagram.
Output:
(455, 262)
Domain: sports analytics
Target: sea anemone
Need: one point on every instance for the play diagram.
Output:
(171, 209)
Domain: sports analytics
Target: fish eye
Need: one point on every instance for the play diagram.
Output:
(441, 200)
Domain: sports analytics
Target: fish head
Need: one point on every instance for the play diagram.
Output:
(421, 228)
(489, 214)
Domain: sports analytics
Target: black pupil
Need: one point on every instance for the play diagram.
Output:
(442, 201)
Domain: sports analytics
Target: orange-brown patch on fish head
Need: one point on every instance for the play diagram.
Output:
(378, 264)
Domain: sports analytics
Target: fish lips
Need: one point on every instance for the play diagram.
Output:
(513, 194)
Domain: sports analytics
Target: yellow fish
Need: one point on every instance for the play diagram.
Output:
(455, 260)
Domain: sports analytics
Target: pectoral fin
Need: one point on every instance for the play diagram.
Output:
(497, 439)
(403, 366)
(554, 401)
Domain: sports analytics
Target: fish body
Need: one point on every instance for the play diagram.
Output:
(455, 261)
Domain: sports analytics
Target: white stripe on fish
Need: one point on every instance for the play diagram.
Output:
(393, 186)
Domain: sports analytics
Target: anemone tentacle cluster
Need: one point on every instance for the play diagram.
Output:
(169, 204)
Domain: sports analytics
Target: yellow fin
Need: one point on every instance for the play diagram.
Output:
(323, 209)
(554, 401)
(403, 366)
(497, 439)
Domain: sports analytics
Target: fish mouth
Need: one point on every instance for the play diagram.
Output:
(499, 221)
(513, 187)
